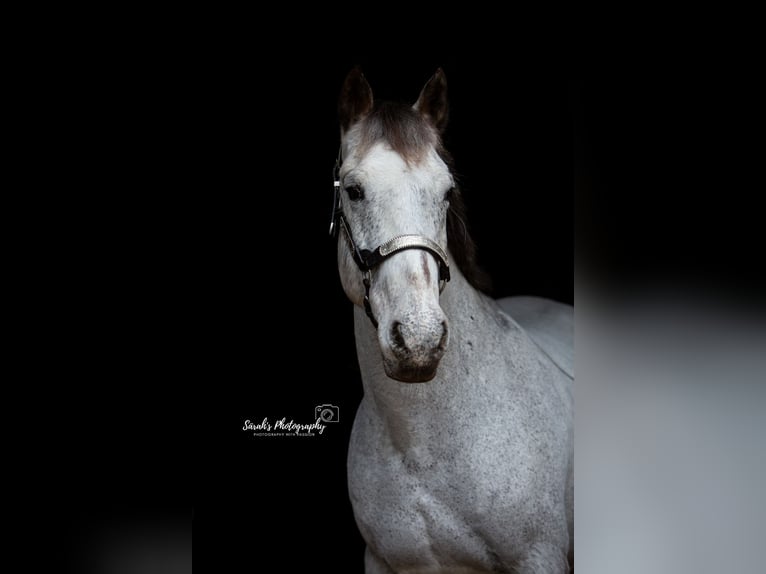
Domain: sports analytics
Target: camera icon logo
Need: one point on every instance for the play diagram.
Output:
(326, 413)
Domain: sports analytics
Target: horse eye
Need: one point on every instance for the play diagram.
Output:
(449, 194)
(355, 192)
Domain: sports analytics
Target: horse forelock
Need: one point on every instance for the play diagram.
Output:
(400, 126)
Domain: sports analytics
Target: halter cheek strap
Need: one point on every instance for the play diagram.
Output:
(368, 260)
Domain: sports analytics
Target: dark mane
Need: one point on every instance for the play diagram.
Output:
(461, 245)
(411, 135)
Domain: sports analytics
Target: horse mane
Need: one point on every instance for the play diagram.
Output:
(461, 245)
(411, 135)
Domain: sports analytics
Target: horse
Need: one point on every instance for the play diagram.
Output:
(461, 451)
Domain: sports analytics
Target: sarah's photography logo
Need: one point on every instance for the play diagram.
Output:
(324, 415)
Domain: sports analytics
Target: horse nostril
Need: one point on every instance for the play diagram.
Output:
(443, 340)
(396, 335)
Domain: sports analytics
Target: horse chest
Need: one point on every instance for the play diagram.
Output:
(426, 508)
(409, 520)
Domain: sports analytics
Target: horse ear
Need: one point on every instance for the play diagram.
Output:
(432, 102)
(355, 99)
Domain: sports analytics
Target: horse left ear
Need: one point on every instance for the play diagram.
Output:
(355, 99)
(432, 102)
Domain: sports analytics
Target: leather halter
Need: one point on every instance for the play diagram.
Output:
(367, 260)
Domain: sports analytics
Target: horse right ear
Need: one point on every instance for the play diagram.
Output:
(432, 102)
(355, 99)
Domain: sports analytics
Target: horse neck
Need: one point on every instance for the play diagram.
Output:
(402, 406)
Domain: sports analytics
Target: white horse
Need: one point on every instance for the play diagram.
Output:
(461, 452)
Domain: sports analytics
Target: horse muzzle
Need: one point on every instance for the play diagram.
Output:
(412, 349)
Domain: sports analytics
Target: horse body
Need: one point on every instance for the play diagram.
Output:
(469, 470)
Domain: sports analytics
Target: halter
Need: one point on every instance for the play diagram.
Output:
(368, 260)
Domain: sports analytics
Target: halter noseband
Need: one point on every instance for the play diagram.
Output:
(368, 260)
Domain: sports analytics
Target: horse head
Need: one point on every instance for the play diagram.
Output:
(394, 191)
